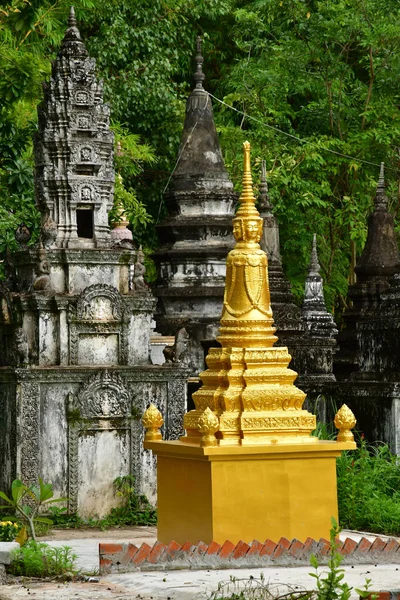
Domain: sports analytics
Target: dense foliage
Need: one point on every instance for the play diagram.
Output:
(368, 489)
(309, 82)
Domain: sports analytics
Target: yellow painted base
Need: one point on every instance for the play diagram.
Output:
(246, 493)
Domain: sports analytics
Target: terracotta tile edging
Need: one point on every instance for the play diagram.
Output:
(126, 557)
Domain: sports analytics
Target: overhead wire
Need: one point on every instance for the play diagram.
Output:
(290, 135)
(260, 122)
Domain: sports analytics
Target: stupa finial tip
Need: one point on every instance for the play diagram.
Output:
(199, 76)
(72, 17)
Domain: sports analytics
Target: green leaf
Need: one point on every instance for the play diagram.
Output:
(314, 561)
(6, 498)
(43, 520)
(56, 500)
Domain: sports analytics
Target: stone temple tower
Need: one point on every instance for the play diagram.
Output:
(75, 325)
(74, 149)
(196, 235)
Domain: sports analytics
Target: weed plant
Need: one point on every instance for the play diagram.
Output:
(135, 509)
(369, 489)
(40, 560)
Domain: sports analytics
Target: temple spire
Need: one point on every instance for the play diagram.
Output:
(199, 76)
(316, 319)
(72, 18)
(247, 195)
(72, 44)
(314, 267)
(380, 196)
(264, 202)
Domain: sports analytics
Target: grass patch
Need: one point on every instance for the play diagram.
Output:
(369, 489)
(36, 559)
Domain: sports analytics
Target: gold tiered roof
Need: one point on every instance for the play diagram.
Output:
(248, 385)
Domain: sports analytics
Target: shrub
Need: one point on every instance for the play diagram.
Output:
(26, 501)
(40, 560)
(369, 489)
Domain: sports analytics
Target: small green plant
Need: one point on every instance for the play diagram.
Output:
(61, 518)
(257, 589)
(26, 501)
(40, 560)
(330, 584)
(135, 508)
(8, 531)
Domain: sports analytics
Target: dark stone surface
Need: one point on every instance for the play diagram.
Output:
(377, 264)
(196, 236)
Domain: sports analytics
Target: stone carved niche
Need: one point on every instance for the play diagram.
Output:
(104, 442)
(98, 333)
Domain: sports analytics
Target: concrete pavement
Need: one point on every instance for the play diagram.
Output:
(181, 585)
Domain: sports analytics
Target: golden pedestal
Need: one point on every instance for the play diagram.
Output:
(246, 492)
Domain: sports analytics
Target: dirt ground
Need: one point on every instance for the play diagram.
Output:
(113, 533)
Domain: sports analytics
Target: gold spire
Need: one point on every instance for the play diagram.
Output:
(248, 384)
(247, 195)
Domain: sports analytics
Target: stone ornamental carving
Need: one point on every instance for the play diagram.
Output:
(69, 170)
(103, 395)
(99, 302)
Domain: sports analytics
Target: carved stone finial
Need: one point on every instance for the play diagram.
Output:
(264, 202)
(314, 267)
(72, 18)
(381, 200)
(199, 76)
(208, 425)
(152, 421)
(345, 421)
(73, 34)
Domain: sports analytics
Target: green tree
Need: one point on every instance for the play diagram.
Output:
(327, 73)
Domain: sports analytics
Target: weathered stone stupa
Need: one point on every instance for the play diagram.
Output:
(196, 235)
(370, 350)
(377, 264)
(315, 356)
(247, 453)
(76, 316)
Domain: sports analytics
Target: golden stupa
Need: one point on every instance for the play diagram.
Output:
(248, 384)
(248, 467)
